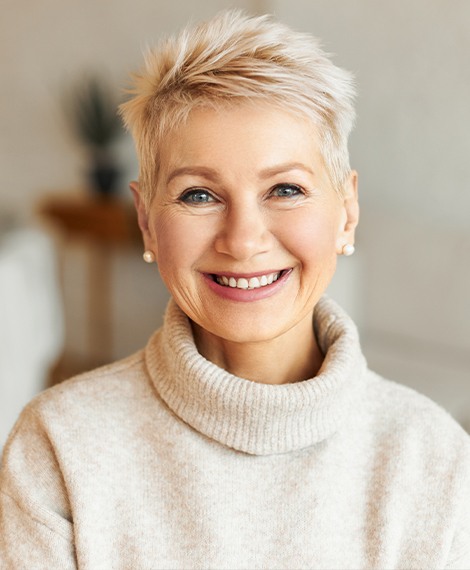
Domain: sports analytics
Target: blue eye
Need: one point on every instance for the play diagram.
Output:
(197, 196)
(286, 191)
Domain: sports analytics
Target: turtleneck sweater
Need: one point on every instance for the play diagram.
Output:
(166, 461)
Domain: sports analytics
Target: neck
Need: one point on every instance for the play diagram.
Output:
(291, 357)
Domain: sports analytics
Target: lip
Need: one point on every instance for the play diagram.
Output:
(247, 295)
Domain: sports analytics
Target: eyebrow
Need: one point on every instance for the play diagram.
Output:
(286, 167)
(203, 171)
(213, 176)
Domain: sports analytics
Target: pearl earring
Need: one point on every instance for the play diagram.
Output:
(348, 249)
(148, 256)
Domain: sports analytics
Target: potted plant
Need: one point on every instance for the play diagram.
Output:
(91, 107)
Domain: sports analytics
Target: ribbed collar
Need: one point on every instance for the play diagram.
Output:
(255, 418)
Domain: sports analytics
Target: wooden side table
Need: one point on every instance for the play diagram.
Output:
(104, 226)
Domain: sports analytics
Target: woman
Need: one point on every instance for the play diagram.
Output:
(249, 432)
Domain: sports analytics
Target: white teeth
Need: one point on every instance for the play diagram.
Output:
(252, 283)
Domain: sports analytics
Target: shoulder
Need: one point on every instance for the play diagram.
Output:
(60, 434)
(100, 398)
(79, 420)
(422, 455)
(103, 387)
(404, 404)
(122, 375)
(398, 406)
(409, 423)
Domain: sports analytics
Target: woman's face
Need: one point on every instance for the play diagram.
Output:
(245, 225)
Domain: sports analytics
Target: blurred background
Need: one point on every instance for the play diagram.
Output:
(74, 292)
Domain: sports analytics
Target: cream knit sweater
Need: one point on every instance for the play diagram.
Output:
(163, 460)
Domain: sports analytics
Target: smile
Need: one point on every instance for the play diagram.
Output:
(247, 283)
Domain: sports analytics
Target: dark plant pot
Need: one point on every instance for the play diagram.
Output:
(104, 179)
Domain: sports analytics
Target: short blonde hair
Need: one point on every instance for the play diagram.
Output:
(235, 58)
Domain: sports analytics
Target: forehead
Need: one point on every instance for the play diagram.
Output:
(244, 137)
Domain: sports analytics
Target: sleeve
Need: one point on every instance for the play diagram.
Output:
(459, 556)
(36, 530)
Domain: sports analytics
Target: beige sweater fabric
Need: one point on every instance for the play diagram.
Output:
(165, 461)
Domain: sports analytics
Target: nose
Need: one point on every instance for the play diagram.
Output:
(244, 233)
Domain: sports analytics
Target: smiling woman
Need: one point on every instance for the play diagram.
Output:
(249, 433)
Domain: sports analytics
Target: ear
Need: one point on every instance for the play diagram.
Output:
(142, 217)
(350, 213)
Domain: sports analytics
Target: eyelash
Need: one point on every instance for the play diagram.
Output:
(284, 186)
(187, 196)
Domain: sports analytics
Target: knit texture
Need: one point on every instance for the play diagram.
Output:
(165, 461)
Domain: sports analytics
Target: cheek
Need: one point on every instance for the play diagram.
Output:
(179, 242)
(311, 235)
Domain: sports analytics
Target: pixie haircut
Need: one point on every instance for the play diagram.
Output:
(234, 58)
